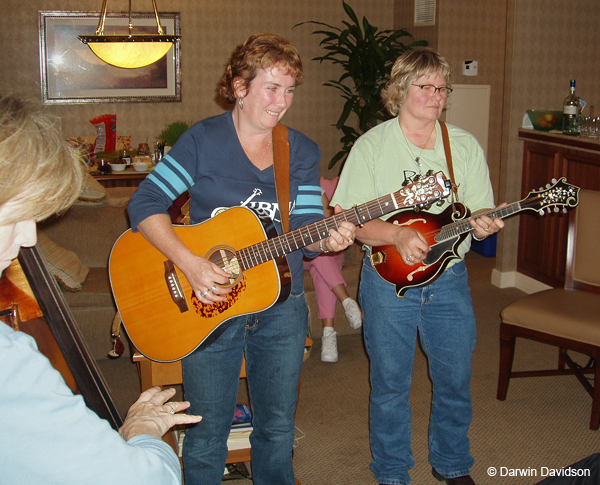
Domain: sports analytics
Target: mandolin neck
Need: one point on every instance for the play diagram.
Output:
(457, 228)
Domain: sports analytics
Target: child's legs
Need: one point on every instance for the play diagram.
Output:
(326, 272)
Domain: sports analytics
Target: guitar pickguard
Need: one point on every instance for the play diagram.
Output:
(209, 311)
(438, 250)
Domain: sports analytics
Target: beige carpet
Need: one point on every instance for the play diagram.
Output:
(543, 423)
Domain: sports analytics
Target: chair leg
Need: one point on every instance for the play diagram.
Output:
(561, 360)
(595, 419)
(507, 353)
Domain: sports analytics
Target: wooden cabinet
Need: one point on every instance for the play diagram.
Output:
(542, 240)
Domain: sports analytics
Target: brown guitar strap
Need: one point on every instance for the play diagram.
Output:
(448, 152)
(281, 167)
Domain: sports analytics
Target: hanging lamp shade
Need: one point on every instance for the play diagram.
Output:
(129, 51)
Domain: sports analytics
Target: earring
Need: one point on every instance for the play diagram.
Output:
(241, 103)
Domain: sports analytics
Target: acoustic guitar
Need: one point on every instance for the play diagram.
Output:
(446, 231)
(162, 316)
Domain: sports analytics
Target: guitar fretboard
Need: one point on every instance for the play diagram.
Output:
(424, 191)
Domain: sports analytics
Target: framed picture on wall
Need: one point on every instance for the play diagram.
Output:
(71, 73)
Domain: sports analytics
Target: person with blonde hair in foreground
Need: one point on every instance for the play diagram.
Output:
(48, 434)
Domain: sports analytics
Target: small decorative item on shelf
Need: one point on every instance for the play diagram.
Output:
(545, 119)
(117, 166)
(143, 149)
(141, 163)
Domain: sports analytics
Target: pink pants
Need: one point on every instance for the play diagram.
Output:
(326, 272)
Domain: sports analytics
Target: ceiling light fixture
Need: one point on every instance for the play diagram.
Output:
(129, 51)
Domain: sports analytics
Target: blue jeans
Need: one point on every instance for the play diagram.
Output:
(273, 343)
(442, 313)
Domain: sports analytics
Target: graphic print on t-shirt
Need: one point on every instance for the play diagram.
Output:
(267, 212)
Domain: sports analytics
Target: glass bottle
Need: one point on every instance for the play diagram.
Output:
(126, 158)
(571, 112)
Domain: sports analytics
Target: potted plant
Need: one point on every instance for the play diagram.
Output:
(172, 131)
(366, 55)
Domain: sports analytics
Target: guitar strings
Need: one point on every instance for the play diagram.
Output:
(263, 251)
(460, 226)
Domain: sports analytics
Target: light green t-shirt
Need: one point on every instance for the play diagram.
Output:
(381, 159)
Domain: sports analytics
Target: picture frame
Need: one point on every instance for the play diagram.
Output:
(70, 73)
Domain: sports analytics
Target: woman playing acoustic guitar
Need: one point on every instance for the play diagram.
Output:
(226, 162)
(390, 154)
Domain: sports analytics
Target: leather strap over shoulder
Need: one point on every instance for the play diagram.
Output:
(448, 152)
(281, 167)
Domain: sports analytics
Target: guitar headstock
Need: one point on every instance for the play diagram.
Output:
(426, 190)
(559, 195)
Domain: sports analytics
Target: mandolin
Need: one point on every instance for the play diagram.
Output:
(446, 231)
(162, 316)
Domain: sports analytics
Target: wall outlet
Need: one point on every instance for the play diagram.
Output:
(470, 68)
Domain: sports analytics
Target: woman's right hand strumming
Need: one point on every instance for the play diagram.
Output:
(203, 275)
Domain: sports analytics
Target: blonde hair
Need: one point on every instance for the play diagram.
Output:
(260, 51)
(408, 68)
(39, 173)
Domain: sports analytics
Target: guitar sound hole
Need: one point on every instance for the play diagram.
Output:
(226, 259)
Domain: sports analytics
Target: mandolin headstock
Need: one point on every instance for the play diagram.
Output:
(557, 196)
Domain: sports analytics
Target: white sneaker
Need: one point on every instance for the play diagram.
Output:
(353, 313)
(329, 352)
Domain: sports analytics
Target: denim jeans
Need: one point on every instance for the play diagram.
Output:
(273, 343)
(442, 313)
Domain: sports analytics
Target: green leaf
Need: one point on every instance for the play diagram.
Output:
(365, 55)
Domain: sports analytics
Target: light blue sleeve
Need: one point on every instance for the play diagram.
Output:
(49, 436)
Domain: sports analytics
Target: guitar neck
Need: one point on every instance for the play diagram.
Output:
(299, 238)
(454, 229)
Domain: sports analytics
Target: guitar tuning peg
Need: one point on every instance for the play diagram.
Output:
(554, 181)
(556, 209)
(541, 188)
(548, 186)
(541, 212)
(565, 210)
(440, 203)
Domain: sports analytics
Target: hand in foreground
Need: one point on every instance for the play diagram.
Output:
(485, 226)
(152, 414)
(340, 239)
(411, 245)
(205, 278)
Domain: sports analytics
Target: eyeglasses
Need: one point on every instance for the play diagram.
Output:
(431, 89)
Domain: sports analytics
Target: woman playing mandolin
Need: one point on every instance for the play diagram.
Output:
(440, 311)
(226, 162)
(48, 434)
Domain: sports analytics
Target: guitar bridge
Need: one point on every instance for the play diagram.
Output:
(175, 287)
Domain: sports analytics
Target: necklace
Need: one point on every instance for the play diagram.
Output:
(418, 157)
(265, 155)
